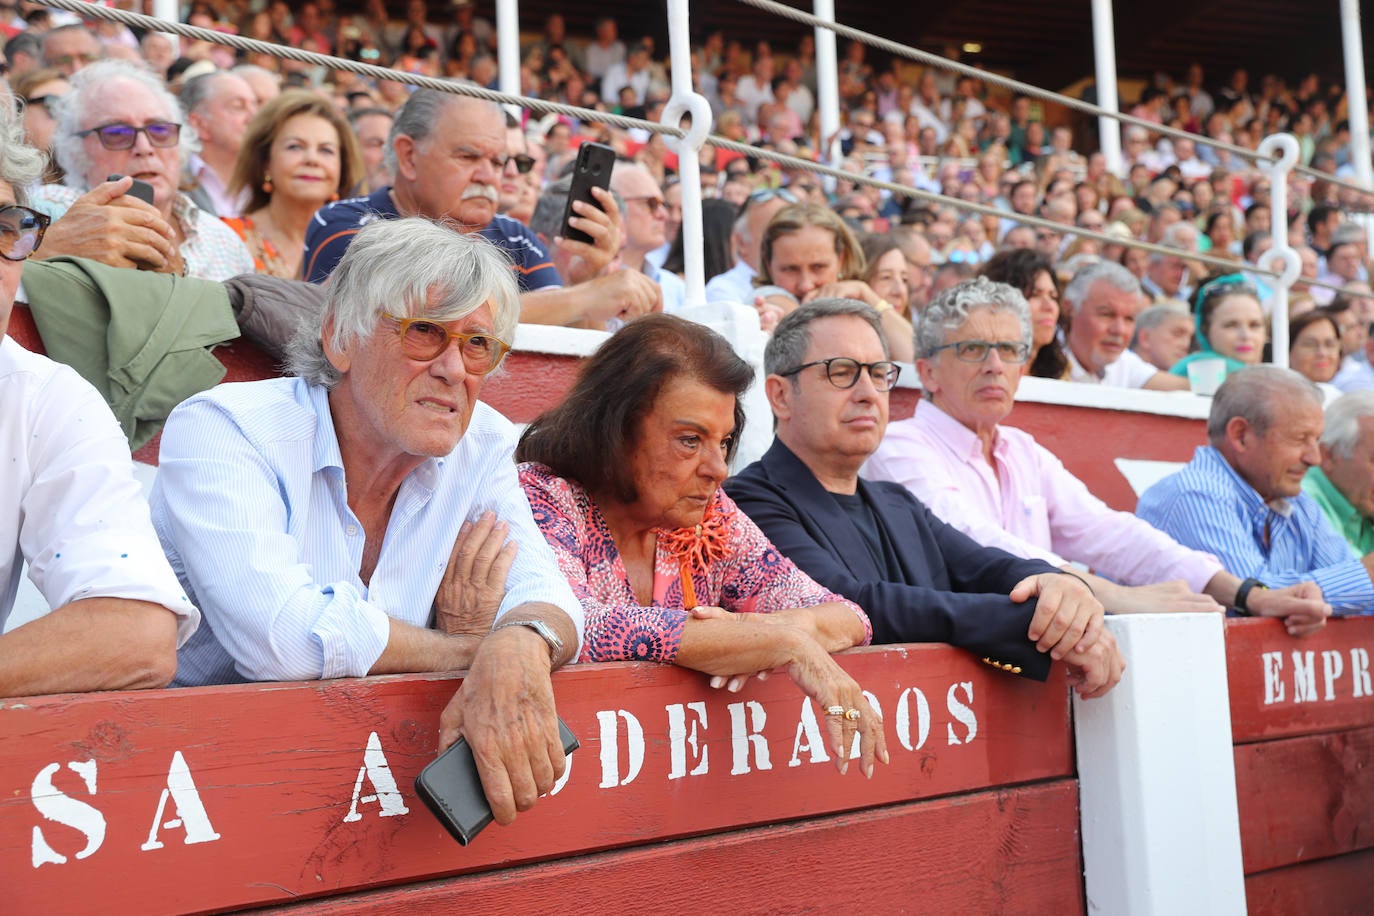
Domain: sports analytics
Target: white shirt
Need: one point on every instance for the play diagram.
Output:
(735, 285)
(252, 508)
(215, 189)
(71, 506)
(1128, 371)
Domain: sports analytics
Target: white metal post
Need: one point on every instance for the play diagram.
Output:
(827, 85)
(1357, 101)
(685, 100)
(508, 49)
(1104, 51)
(169, 10)
(1282, 258)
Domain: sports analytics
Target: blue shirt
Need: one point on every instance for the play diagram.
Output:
(251, 506)
(1208, 506)
(333, 226)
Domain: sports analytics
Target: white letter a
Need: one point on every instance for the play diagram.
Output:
(191, 817)
(378, 772)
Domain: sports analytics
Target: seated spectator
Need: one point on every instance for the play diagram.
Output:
(1103, 300)
(1230, 325)
(737, 284)
(645, 219)
(886, 273)
(809, 253)
(39, 92)
(1001, 488)
(1357, 374)
(1343, 483)
(829, 376)
(326, 520)
(372, 126)
(717, 223)
(668, 569)
(1241, 498)
(1163, 335)
(1031, 274)
(72, 508)
(297, 155)
(447, 153)
(218, 107)
(118, 119)
(70, 49)
(1314, 349)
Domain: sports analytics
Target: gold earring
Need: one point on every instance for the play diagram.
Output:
(267, 184)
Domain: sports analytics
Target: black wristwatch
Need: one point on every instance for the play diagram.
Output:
(1243, 595)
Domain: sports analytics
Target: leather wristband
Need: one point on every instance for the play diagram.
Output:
(1242, 602)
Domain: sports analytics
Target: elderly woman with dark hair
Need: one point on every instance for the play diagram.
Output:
(1003, 489)
(806, 253)
(1030, 273)
(625, 481)
(1314, 349)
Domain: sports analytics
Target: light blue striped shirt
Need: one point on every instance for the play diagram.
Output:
(251, 508)
(1208, 506)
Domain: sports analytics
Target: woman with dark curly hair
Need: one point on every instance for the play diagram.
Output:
(624, 478)
(1031, 274)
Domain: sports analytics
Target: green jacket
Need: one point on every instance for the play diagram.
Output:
(141, 338)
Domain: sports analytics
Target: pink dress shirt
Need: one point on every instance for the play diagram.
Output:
(1031, 507)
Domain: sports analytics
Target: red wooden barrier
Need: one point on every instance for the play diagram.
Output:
(175, 801)
(1302, 719)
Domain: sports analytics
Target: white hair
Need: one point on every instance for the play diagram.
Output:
(1343, 418)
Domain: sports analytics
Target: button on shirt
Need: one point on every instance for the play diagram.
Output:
(252, 508)
(1208, 506)
(1357, 529)
(1030, 506)
(71, 506)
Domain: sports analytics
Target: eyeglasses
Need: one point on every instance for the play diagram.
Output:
(66, 60)
(161, 134)
(523, 164)
(843, 372)
(655, 204)
(976, 351)
(764, 195)
(1313, 343)
(49, 102)
(424, 340)
(21, 231)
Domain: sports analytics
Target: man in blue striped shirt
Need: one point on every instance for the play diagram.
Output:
(326, 522)
(1241, 497)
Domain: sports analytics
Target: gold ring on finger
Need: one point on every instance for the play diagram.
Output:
(834, 711)
(852, 714)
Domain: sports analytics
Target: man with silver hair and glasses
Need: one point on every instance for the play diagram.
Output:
(447, 154)
(118, 120)
(918, 578)
(1343, 483)
(1103, 300)
(1241, 498)
(364, 517)
(71, 507)
(1001, 488)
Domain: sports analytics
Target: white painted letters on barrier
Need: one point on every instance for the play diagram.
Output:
(1359, 672)
(610, 747)
(1304, 678)
(59, 807)
(1273, 677)
(681, 737)
(1332, 666)
(811, 738)
(904, 718)
(376, 771)
(190, 811)
(962, 712)
(743, 737)
(1305, 686)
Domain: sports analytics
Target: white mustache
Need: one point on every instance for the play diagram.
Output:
(481, 190)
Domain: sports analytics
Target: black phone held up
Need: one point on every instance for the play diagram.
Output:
(592, 170)
(451, 788)
(141, 189)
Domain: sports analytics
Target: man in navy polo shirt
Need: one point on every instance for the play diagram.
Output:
(447, 153)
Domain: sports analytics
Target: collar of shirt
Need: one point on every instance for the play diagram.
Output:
(961, 440)
(1076, 371)
(1262, 515)
(327, 454)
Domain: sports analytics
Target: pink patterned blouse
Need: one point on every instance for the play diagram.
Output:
(747, 576)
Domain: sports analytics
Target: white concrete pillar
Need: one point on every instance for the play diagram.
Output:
(827, 85)
(1157, 781)
(1104, 54)
(508, 49)
(1356, 100)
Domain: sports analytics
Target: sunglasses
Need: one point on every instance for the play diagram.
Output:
(655, 204)
(523, 163)
(49, 102)
(21, 231)
(424, 340)
(764, 195)
(161, 134)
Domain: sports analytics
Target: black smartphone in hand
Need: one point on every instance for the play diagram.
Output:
(451, 788)
(592, 170)
(141, 189)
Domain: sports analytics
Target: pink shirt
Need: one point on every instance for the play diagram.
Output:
(1031, 507)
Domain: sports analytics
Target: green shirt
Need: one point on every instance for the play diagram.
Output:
(1357, 530)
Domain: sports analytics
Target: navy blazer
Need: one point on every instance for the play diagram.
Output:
(955, 589)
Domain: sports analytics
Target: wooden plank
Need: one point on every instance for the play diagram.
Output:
(289, 790)
(1011, 851)
(1331, 887)
(1305, 798)
(1281, 686)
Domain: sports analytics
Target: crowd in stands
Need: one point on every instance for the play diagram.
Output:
(363, 515)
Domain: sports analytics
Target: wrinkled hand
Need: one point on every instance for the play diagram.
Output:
(1098, 670)
(770, 313)
(825, 682)
(1302, 607)
(845, 289)
(474, 583)
(108, 226)
(578, 262)
(1161, 598)
(505, 711)
(1067, 617)
(625, 294)
(736, 682)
